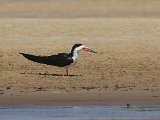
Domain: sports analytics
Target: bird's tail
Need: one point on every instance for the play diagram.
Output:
(34, 58)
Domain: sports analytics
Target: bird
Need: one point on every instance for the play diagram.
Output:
(63, 60)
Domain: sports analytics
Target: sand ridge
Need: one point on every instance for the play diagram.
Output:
(127, 58)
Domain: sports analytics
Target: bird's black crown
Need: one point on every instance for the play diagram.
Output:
(75, 46)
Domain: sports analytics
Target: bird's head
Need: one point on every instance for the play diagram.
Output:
(79, 47)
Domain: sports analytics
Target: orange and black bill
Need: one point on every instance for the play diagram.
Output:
(89, 49)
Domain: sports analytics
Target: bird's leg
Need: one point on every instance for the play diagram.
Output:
(67, 71)
(62, 72)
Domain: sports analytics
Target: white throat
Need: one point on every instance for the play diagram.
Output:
(75, 55)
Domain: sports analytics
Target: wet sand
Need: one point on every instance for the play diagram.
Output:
(125, 69)
(80, 98)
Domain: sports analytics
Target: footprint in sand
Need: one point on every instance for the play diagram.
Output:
(1, 54)
(2, 92)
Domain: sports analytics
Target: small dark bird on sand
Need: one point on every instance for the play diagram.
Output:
(61, 59)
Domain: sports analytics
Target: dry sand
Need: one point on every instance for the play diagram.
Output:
(126, 68)
(78, 8)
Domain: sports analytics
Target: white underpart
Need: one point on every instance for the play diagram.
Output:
(76, 53)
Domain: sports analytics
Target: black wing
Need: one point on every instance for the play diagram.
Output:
(64, 59)
(60, 60)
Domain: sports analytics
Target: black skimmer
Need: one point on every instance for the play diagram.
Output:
(61, 59)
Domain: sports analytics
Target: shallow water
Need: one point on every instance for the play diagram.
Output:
(79, 113)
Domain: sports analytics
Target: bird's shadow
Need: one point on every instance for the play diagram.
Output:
(49, 74)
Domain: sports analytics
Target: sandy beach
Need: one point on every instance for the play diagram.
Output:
(125, 70)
